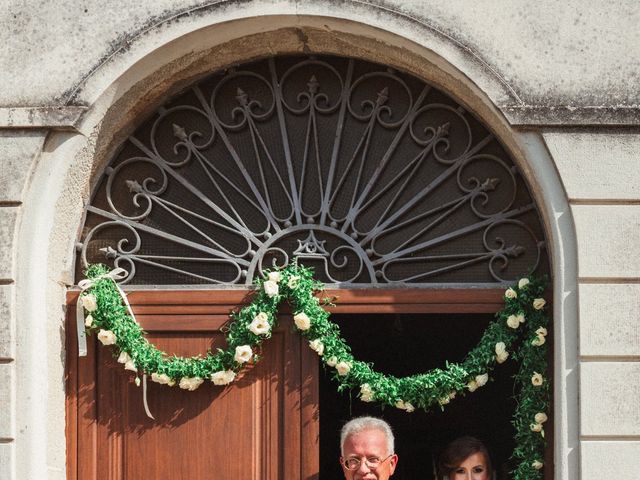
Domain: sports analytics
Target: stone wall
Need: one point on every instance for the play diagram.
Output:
(558, 81)
(19, 150)
(600, 171)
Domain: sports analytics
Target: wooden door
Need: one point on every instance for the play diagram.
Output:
(264, 426)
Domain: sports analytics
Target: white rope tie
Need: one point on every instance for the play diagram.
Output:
(87, 283)
(144, 397)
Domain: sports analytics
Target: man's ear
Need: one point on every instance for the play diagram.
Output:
(393, 461)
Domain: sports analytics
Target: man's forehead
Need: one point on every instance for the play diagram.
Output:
(367, 436)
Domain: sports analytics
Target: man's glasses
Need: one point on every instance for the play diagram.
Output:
(353, 463)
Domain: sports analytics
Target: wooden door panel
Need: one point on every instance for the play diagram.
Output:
(249, 430)
(209, 433)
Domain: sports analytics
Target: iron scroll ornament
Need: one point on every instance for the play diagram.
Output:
(365, 173)
(519, 332)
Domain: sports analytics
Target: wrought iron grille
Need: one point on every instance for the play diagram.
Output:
(363, 172)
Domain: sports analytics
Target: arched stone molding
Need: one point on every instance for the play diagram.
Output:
(192, 31)
(164, 59)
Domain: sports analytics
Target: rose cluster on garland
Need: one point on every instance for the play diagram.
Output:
(518, 332)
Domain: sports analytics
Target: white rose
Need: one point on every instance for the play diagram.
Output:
(482, 380)
(536, 427)
(523, 282)
(343, 368)
(537, 464)
(513, 322)
(332, 362)
(510, 293)
(107, 337)
(502, 357)
(366, 394)
(128, 362)
(539, 303)
(123, 357)
(260, 324)
(185, 383)
(190, 383)
(243, 354)
(163, 379)
(536, 379)
(539, 340)
(302, 321)
(500, 348)
(541, 417)
(317, 346)
(520, 317)
(223, 377)
(275, 276)
(88, 321)
(472, 386)
(89, 302)
(541, 332)
(293, 281)
(406, 406)
(270, 288)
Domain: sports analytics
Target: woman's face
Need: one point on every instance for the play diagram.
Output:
(474, 467)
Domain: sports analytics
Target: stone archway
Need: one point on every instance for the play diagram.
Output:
(74, 155)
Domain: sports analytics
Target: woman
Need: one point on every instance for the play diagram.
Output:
(466, 458)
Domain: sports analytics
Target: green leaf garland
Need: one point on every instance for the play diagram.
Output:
(518, 331)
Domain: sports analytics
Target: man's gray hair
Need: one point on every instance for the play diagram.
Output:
(361, 424)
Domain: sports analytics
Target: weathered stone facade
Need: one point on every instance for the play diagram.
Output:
(557, 81)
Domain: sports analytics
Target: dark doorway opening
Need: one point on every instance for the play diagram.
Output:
(405, 344)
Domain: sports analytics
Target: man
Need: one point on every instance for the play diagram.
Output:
(367, 448)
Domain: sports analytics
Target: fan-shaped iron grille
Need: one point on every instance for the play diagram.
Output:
(363, 172)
